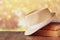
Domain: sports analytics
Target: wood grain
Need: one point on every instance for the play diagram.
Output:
(41, 38)
(12, 36)
(21, 36)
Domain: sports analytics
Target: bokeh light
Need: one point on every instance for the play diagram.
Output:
(12, 10)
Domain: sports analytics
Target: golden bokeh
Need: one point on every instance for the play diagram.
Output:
(13, 8)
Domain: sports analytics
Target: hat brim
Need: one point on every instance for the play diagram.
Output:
(33, 28)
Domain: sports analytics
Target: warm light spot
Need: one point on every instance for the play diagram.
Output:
(25, 10)
(17, 12)
(5, 13)
(9, 5)
(8, 16)
(16, 0)
(0, 18)
(1, 7)
(21, 22)
(1, 1)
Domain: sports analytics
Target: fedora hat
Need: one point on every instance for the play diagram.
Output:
(37, 19)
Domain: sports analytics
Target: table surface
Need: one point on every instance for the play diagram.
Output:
(21, 36)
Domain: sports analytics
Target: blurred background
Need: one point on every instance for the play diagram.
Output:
(11, 11)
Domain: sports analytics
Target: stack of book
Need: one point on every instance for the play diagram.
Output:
(52, 29)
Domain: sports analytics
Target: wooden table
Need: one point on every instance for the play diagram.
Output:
(21, 36)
